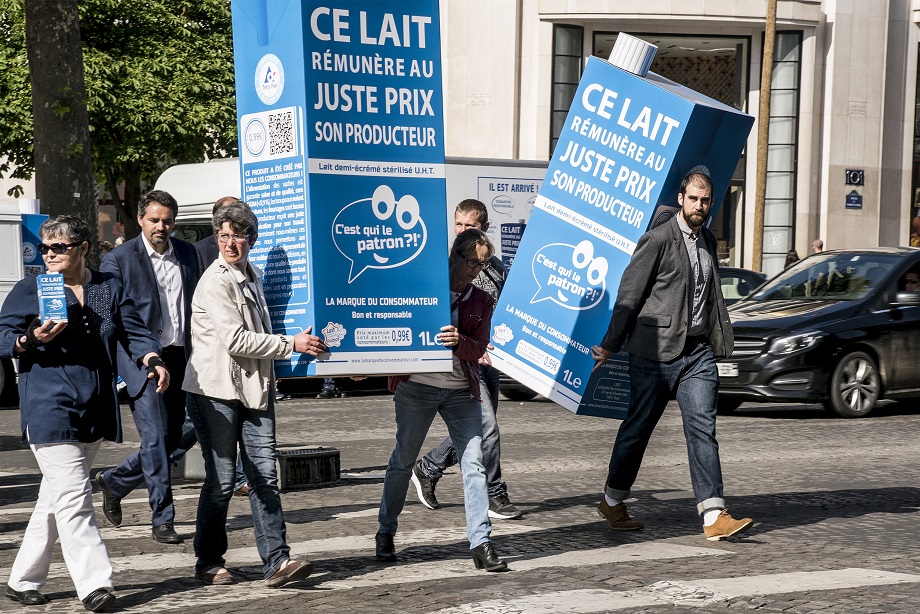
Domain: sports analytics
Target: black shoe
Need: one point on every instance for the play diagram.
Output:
(111, 505)
(165, 534)
(386, 550)
(329, 393)
(26, 597)
(501, 507)
(484, 557)
(98, 600)
(424, 486)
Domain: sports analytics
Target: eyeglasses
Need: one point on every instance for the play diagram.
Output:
(475, 263)
(57, 248)
(237, 238)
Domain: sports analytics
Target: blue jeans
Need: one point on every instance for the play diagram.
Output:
(221, 426)
(188, 439)
(443, 456)
(694, 380)
(416, 406)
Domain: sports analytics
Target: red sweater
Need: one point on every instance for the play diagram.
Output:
(474, 323)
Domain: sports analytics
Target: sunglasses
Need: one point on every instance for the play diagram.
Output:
(475, 263)
(57, 248)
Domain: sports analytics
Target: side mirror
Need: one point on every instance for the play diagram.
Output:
(907, 299)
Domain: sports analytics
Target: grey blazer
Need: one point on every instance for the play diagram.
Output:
(652, 312)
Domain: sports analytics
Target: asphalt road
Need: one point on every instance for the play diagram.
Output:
(835, 503)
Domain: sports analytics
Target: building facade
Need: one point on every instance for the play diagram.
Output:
(844, 94)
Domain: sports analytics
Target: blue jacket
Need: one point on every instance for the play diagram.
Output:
(67, 387)
(130, 264)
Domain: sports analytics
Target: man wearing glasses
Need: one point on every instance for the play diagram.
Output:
(471, 213)
(159, 273)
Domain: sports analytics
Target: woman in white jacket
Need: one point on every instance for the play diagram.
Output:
(231, 402)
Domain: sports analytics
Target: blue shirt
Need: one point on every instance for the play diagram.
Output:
(67, 386)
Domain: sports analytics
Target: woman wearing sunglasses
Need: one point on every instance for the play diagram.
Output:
(68, 405)
(455, 396)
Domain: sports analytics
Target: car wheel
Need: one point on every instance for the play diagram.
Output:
(727, 405)
(518, 394)
(855, 386)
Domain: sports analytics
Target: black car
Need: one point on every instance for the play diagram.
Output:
(836, 328)
(738, 283)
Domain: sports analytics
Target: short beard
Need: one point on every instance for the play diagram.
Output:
(690, 223)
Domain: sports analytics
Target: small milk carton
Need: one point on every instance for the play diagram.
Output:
(52, 301)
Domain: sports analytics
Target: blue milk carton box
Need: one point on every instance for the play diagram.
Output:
(52, 301)
(341, 129)
(627, 143)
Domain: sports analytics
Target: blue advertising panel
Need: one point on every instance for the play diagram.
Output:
(627, 143)
(341, 143)
(32, 261)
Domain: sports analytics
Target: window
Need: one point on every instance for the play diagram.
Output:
(567, 65)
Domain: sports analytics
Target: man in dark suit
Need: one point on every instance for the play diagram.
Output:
(159, 273)
(671, 319)
(207, 248)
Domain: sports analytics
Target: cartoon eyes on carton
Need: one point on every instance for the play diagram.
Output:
(583, 257)
(385, 205)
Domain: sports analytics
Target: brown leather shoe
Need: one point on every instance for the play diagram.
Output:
(726, 526)
(242, 491)
(291, 571)
(617, 517)
(216, 576)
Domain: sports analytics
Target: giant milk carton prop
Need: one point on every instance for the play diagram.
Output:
(342, 155)
(627, 143)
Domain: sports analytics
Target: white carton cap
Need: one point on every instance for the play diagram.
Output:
(28, 205)
(632, 54)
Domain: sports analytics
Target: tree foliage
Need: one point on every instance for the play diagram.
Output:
(159, 88)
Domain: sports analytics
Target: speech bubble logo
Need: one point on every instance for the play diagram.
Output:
(380, 232)
(569, 275)
(503, 205)
(503, 334)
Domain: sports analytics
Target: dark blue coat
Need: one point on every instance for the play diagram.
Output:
(67, 387)
(130, 264)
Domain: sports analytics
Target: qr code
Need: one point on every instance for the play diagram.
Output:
(281, 132)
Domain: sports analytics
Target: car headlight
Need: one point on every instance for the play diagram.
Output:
(795, 343)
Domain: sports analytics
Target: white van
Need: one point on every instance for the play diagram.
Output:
(507, 187)
(11, 271)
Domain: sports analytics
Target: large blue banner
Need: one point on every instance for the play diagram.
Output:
(627, 143)
(341, 143)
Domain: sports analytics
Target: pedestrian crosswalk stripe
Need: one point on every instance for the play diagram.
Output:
(684, 593)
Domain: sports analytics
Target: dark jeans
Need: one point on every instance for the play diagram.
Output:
(159, 419)
(222, 426)
(189, 438)
(444, 455)
(693, 379)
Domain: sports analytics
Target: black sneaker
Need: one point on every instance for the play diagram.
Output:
(501, 507)
(329, 393)
(386, 550)
(424, 486)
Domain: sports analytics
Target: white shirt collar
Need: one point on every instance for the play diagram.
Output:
(152, 252)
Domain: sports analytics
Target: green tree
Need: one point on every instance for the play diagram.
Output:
(159, 90)
(64, 179)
